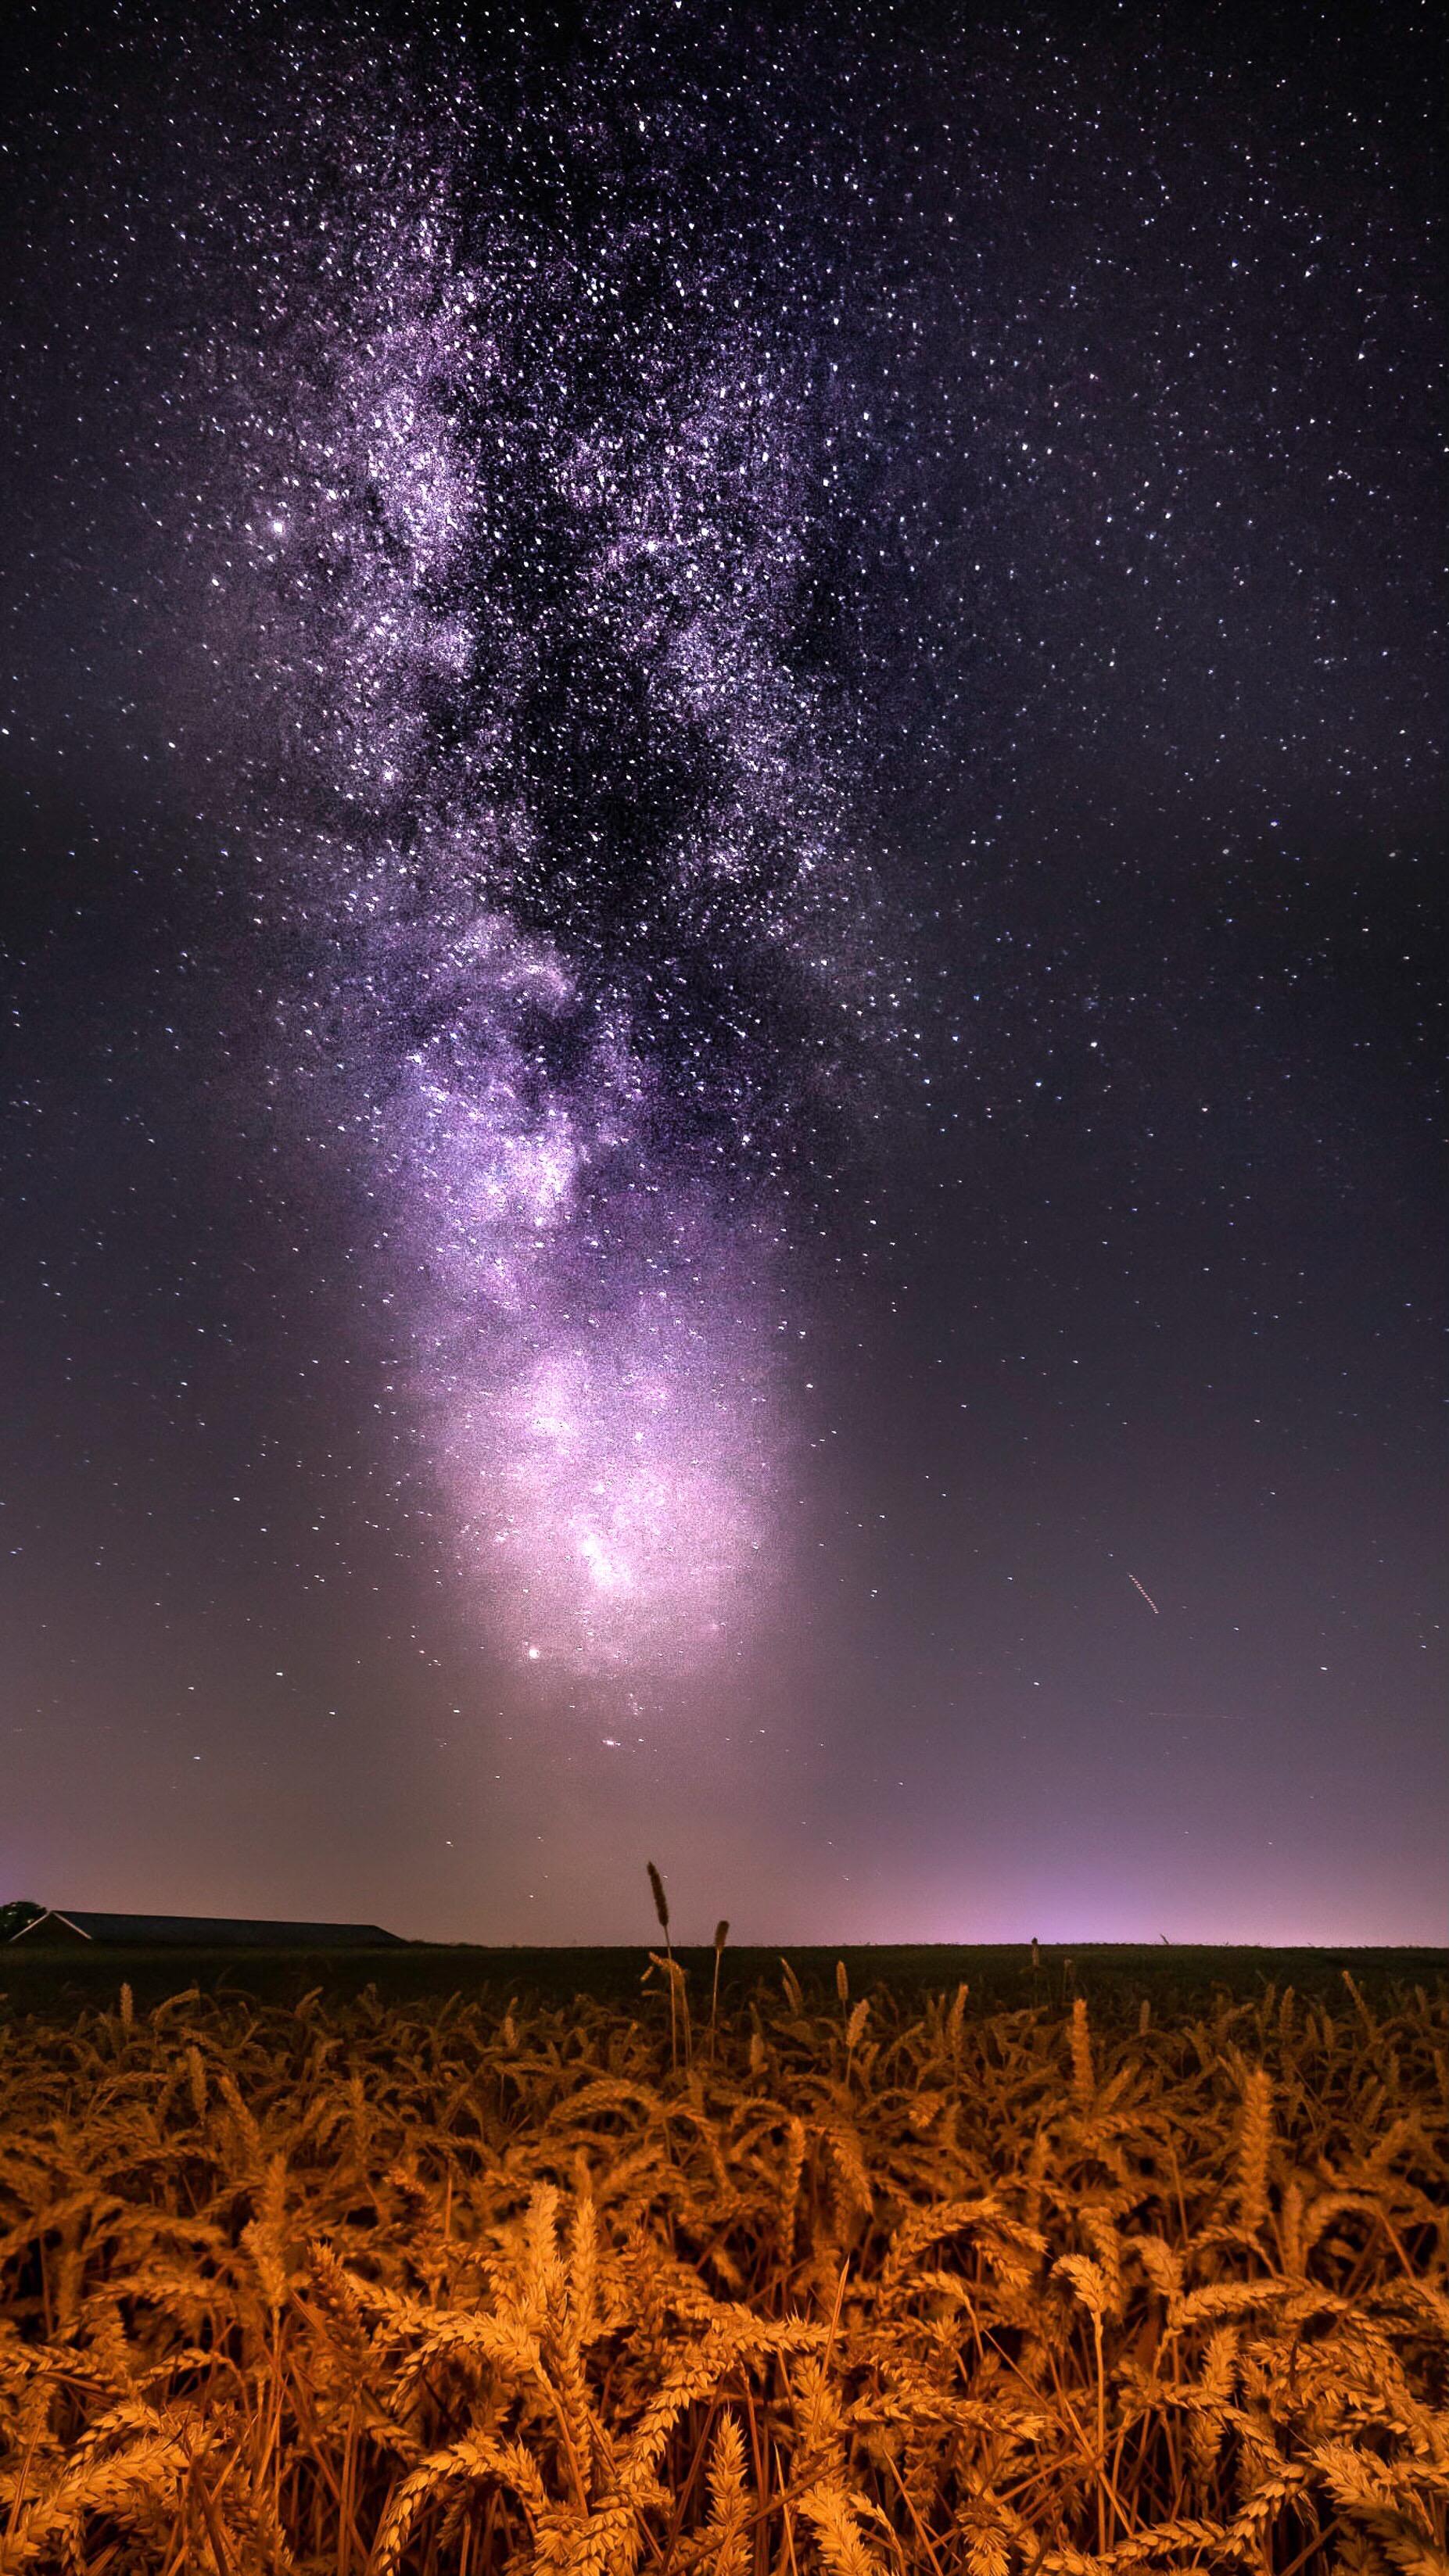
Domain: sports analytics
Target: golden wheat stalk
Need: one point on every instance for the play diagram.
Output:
(410, 2285)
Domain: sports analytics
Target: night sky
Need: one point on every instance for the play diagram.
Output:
(722, 946)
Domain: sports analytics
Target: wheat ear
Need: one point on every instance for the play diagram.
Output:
(721, 1935)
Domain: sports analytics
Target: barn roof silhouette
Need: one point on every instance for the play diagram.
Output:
(202, 1932)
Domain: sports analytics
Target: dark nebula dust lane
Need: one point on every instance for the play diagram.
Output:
(724, 948)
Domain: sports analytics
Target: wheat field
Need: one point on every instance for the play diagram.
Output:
(870, 2285)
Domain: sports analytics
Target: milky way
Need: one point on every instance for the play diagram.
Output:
(535, 544)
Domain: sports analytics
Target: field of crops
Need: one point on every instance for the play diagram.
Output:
(859, 2283)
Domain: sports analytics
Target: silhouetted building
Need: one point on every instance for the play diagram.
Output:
(201, 1932)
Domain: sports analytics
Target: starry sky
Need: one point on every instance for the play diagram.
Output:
(722, 947)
